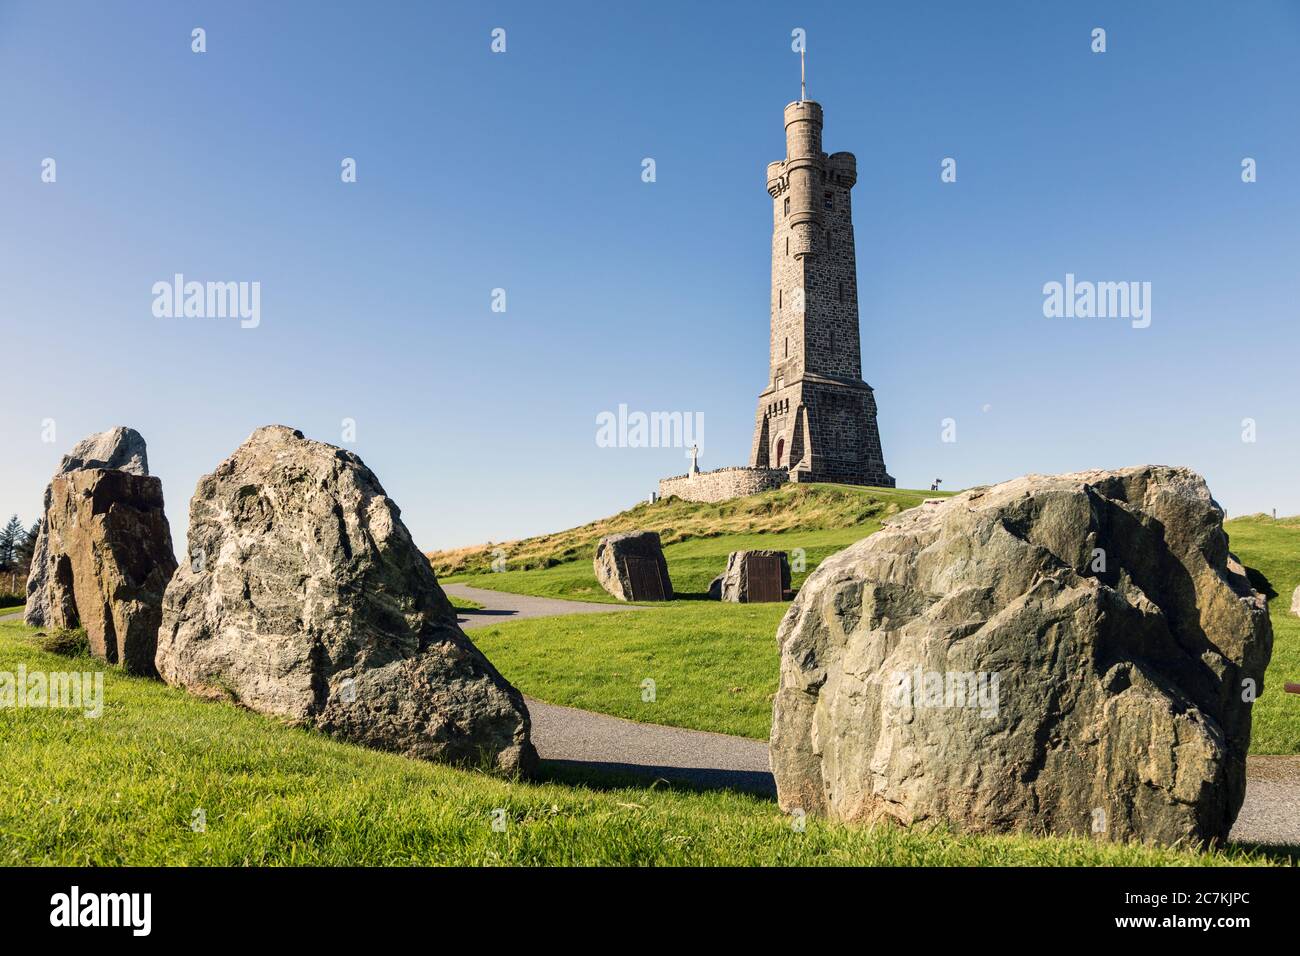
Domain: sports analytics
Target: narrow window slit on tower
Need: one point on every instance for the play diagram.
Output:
(787, 205)
(829, 200)
(841, 291)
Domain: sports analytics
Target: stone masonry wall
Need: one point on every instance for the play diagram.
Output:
(722, 484)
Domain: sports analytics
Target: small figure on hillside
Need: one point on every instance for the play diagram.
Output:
(695, 465)
(935, 486)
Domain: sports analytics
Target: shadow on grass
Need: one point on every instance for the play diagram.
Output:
(1277, 852)
(1260, 583)
(599, 775)
(485, 612)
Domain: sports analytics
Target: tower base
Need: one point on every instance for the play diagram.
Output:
(821, 429)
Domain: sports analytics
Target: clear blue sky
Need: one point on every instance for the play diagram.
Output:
(522, 170)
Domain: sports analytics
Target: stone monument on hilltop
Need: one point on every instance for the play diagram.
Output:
(817, 417)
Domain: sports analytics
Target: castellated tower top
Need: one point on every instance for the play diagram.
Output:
(799, 179)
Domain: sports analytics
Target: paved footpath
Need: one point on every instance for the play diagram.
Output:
(582, 739)
(501, 606)
(1271, 813)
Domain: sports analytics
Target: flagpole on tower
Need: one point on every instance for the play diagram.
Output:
(803, 84)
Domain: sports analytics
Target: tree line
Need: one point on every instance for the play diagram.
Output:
(16, 547)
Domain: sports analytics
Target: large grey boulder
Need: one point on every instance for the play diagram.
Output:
(631, 567)
(1065, 654)
(303, 596)
(1295, 602)
(120, 448)
(110, 557)
(737, 586)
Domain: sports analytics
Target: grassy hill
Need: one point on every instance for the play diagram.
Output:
(820, 519)
(794, 507)
(124, 788)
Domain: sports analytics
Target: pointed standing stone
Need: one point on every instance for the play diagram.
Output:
(304, 596)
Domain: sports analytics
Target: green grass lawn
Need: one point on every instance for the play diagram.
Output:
(1271, 549)
(9, 607)
(123, 790)
(715, 666)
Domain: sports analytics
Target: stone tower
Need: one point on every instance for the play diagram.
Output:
(817, 416)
